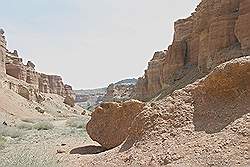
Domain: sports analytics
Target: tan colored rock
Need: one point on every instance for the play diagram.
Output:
(24, 92)
(110, 122)
(201, 42)
(2, 54)
(202, 124)
(243, 23)
(69, 101)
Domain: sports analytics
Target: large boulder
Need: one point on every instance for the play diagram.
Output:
(110, 122)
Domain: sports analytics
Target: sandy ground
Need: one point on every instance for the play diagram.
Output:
(23, 145)
(61, 146)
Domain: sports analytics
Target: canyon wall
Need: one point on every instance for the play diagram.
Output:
(2, 54)
(216, 32)
(24, 79)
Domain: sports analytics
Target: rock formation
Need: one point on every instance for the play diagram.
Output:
(2, 54)
(203, 124)
(120, 91)
(216, 32)
(110, 122)
(29, 82)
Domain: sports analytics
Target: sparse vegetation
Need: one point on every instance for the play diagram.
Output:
(43, 125)
(75, 123)
(2, 142)
(24, 125)
(12, 132)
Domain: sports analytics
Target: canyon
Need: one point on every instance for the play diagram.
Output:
(190, 108)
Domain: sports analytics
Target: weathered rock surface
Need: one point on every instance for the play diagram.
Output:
(69, 100)
(243, 23)
(30, 82)
(118, 93)
(110, 122)
(203, 124)
(216, 32)
(2, 54)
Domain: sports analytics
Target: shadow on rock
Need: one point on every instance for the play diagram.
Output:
(88, 150)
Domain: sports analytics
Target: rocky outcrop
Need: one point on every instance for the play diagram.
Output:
(242, 25)
(120, 91)
(203, 124)
(216, 32)
(69, 100)
(33, 81)
(110, 122)
(2, 54)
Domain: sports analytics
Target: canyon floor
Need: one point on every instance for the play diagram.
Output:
(61, 145)
(56, 137)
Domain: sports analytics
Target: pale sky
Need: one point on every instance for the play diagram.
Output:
(91, 43)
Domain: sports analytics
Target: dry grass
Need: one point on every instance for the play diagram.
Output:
(43, 125)
(76, 122)
(24, 125)
(12, 132)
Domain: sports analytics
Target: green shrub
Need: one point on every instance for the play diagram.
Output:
(43, 125)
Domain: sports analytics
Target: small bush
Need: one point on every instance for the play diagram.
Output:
(2, 140)
(24, 125)
(12, 132)
(44, 125)
(75, 123)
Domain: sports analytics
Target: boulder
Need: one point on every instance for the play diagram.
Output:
(24, 92)
(110, 122)
(69, 101)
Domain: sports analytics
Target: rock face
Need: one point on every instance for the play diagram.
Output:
(120, 91)
(116, 92)
(243, 23)
(33, 82)
(2, 54)
(203, 124)
(216, 32)
(110, 122)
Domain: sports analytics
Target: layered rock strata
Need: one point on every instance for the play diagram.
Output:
(216, 32)
(29, 83)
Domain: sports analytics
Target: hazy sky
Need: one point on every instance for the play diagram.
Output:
(91, 43)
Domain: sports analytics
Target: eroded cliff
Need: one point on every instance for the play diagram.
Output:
(216, 32)
(24, 79)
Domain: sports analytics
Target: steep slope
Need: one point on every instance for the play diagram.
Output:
(204, 124)
(216, 32)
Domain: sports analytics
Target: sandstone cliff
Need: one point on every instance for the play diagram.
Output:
(120, 91)
(216, 32)
(24, 79)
